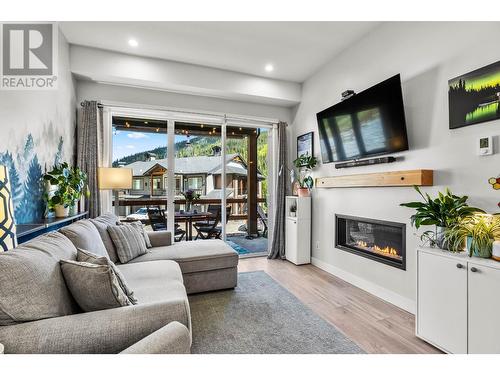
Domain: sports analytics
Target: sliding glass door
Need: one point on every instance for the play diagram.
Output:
(209, 177)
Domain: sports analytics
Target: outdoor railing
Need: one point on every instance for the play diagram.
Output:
(143, 202)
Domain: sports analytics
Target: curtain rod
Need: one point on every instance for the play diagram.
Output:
(250, 119)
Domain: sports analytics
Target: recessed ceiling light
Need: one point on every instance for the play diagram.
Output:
(133, 43)
(269, 67)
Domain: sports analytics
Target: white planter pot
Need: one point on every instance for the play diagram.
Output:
(440, 238)
(61, 211)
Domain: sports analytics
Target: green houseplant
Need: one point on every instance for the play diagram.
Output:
(66, 186)
(443, 212)
(304, 164)
(477, 233)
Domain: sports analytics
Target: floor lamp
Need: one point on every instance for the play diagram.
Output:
(114, 179)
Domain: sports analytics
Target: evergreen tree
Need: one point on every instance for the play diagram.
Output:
(59, 154)
(16, 185)
(31, 207)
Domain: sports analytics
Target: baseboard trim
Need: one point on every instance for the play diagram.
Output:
(378, 291)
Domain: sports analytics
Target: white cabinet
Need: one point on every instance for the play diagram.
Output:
(442, 302)
(298, 230)
(484, 309)
(457, 302)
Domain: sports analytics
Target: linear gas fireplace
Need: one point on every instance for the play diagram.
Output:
(383, 241)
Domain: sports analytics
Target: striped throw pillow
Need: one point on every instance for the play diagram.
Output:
(128, 240)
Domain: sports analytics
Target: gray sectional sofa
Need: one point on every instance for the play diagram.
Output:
(39, 315)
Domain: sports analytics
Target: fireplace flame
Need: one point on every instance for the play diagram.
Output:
(388, 251)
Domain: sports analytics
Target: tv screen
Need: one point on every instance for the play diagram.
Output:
(368, 124)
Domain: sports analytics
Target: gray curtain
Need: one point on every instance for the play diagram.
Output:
(89, 146)
(278, 244)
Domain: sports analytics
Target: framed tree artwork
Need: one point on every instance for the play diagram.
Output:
(305, 144)
(474, 97)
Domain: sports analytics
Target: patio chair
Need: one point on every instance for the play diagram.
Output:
(212, 209)
(263, 218)
(158, 222)
(213, 230)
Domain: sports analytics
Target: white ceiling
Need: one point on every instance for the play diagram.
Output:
(296, 49)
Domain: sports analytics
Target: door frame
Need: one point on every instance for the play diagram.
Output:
(173, 115)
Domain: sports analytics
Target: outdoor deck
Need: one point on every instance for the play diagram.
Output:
(237, 239)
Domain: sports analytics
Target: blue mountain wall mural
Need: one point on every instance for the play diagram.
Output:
(27, 188)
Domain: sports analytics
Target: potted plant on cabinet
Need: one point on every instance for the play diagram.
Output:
(477, 233)
(304, 164)
(79, 187)
(443, 212)
(66, 185)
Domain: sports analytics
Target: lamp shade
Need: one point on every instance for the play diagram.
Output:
(114, 178)
(8, 238)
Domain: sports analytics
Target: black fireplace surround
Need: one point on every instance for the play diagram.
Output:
(382, 241)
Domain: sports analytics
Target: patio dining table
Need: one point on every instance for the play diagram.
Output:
(188, 218)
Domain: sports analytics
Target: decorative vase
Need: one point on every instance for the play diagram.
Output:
(440, 238)
(481, 252)
(303, 192)
(82, 204)
(73, 210)
(188, 206)
(61, 211)
(292, 214)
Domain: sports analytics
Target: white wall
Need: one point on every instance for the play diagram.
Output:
(426, 55)
(88, 90)
(33, 123)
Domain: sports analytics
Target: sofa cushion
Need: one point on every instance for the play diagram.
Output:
(85, 256)
(140, 227)
(32, 286)
(155, 281)
(84, 235)
(108, 218)
(128, 240)
(93, 286)
(102, 228)
(194, 256)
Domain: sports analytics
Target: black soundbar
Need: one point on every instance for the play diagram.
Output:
(359, 163)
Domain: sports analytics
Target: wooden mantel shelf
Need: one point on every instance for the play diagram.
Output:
(418, 177)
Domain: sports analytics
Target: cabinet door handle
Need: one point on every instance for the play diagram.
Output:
(460, 265)
(473, 269)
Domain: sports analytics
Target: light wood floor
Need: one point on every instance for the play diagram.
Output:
(375, 325)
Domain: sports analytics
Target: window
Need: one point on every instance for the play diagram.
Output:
(136, 184)
(156, 183)
(177, 187)
(195, 183)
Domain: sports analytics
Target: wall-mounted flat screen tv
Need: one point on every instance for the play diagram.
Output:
(368, 124)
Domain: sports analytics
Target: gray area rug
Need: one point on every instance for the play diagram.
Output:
(260, 316)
